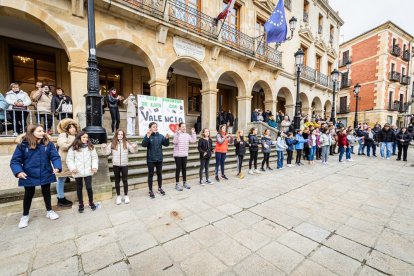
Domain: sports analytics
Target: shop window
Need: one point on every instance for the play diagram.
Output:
(29, 67)
(193, 97)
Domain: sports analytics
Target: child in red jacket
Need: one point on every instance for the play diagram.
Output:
(342, 144)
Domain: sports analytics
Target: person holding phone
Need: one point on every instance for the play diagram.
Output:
(154, 141)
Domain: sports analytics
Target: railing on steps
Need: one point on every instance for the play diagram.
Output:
(261, 127)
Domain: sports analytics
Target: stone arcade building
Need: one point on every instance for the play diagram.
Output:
(139, 41)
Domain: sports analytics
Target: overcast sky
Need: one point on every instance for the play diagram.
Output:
(363, 15)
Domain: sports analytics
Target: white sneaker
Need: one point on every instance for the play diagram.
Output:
(388, 158)
(350, 160)
(251, 172)
(256, 171)
(126, 199)
(24, 222)
(52, 215)
(118, 200)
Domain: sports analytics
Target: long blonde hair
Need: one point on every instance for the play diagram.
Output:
(238, 136)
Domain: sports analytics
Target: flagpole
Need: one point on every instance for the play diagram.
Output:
(258, 45)
(221, 28)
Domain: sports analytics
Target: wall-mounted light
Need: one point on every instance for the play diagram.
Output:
(170, 73)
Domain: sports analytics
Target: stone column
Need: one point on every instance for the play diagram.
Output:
(244, 111)
(271, 105)
(209, 109)
(158, 87)
(78, 83)
(307, 111)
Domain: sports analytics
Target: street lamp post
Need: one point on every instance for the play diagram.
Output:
(97, 134)
(357, 88)
(334, 76)
(298, 62)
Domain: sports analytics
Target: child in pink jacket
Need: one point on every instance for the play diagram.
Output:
(181, 143)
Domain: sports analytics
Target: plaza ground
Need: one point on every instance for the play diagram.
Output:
(353, 218)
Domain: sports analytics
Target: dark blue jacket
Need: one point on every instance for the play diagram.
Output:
(253, 142)
(36, 163)
(154, 146)
(290, 142)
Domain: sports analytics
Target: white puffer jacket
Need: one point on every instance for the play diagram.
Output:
(83, 161)
(119, 155)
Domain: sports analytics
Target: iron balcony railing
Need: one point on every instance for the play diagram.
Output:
(305, 17)
(331, 38)
(320, 29)
(191, 19)
(406, 55)
(405, 79)
(345, 61)
(345, 83)
(394, 76)
(394, 106)
(396, 50)
(308, 73)
(322, 79)
(343, 109)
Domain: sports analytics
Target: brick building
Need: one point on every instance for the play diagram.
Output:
(380, 60)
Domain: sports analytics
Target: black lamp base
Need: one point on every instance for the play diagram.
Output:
(97, 134)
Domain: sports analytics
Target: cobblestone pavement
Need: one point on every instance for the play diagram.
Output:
(353, 218)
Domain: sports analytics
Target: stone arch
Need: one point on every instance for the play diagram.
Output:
(287, 94)
(46, 21)
(317, 106)
(285, 103)
(305, 105)
(139, 49)
(327, 108)
(241, 86)
(262, 96)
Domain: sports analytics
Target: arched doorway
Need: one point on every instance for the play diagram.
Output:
(231, 97)
(285, 102)
(317, 107)
(262, 97)
(327, 109)
(305, 107)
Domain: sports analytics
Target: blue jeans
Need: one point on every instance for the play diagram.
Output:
(386, 146)
(374, 150)
(312, 151)
(348, 153)
(279, 159)
(60, 187)
(361, 147)
(341, 153)
(220, 158)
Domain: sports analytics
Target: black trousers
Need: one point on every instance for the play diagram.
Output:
(318, 153)
(306, 151)
(402, 149)
(28, 196)
(180, 166)
(289, 156)
(115, 117)
(253, 158)
(19, 120)
(298, 156)
(79, 187)
(151, 168)
(204, 166)
(239, 163)
(266, 157)
(47, 120)
(121, 172)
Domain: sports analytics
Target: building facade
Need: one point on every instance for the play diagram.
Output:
(173, 48)
(381, 62)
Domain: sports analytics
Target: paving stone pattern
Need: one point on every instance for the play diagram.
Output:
(354, 218)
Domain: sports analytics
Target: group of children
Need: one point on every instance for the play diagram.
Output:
(80, 158)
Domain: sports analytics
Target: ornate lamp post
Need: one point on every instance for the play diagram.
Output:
(93, 100)
(299, 55)
(334, 76)
(357, 88)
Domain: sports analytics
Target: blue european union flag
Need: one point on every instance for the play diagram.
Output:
(275, 27)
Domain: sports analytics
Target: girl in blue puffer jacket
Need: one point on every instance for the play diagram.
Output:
(299, 146)
(290, 142)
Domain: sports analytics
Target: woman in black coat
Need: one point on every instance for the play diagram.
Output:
(370, 138)
(403, 139)
(205, 148)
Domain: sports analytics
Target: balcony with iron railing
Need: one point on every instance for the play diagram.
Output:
(305, 16)
(345, 83)
(322, 79)
(396, 50)
(310, 74)
(190, 19)
(406, 55)
(331, 38)
(405, 79)
(344, 62)
(320, 29)
(343, 109)
(394, 76)
(394, 106)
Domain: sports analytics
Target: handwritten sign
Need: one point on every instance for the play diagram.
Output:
(185, 47)
(167, 113)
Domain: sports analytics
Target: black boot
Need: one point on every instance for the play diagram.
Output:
(81, 208)
(92, 205)
(63, 202)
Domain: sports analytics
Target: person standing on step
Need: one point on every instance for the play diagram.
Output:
(241, 144)
(154, 141)
(67, 128)
(119, 148)
(280, 148)
(181, 143)
(266, 148)
(35, 162)
(222, 146)
(82, 161)
(254, 150)
(205, 148)
(113, 103)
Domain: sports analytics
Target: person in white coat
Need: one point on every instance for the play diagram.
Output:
(82, 161)
(18, 102)
(120, 148)
(132, 105)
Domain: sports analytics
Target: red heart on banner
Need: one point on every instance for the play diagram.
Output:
(173, 127)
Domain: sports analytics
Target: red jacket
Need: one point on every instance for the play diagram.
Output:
(342, 141)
